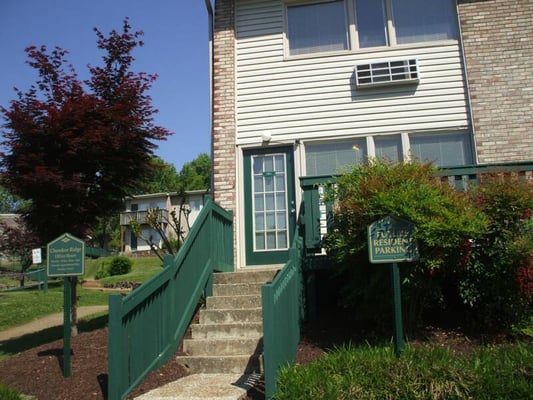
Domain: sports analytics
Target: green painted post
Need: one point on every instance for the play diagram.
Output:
(66, 326)
(397, 309)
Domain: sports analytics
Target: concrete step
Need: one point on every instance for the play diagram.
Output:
(221, 364)
(222, 346)
(237, 302)
(260, 276)
(236, 289)
(234, 330)
(206, 387)
(229, 316)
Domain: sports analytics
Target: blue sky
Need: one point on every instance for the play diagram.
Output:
(176, 49)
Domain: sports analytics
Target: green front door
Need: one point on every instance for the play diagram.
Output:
(270, 207)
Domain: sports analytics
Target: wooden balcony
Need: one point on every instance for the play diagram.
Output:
(140, 216)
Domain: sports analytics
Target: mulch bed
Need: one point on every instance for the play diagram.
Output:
(38, 371)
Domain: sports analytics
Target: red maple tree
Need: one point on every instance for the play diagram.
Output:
(76, 148)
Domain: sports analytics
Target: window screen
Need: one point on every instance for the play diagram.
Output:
(444, 150)
(370, 15)
(423, 20)
(332, 158)
(317, 27)
(388, 148)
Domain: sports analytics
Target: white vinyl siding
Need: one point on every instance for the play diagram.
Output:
(316, 97)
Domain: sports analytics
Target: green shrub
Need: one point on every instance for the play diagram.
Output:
(8, 393)
(103, 272)
(120, 265)
(443, 217)
(432, 373)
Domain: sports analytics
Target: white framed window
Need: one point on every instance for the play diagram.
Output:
(444, 150)
(337, 156)
(317, 27)
(321, 26)
(388, 147)
(397, 22)
(418, 21)
(195, 205)
(329, 158)
(371, 22)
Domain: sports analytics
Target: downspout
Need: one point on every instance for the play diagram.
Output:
(210, 15)
(467, 84)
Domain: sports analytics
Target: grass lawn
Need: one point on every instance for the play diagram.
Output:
(142, 270)
(24, 306)
(20, 307)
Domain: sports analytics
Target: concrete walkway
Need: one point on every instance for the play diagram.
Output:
(49, 321)
(205, 387)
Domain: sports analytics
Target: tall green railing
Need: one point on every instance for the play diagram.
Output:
(282, 316)
(146, 326)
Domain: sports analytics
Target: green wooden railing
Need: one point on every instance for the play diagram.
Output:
(146, 326)
(282, 316)
(460, 177)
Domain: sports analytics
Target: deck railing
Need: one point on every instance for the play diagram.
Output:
(282, 316)
(146, 326)
(140, 216)
(316, 213)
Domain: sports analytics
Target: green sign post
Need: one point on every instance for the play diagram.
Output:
(66, 257)
(391, 240)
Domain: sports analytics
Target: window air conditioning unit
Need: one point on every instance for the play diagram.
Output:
(383, 73)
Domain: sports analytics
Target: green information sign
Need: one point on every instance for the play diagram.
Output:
(66, 256)
(391, 240)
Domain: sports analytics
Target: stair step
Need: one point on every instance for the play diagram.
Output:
(229, 316)
(221, 364)
(245, 277)
(223, 347)
(236, 289)
(234, 330)
(237, 302)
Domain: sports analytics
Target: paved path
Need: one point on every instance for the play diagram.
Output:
(46, 322)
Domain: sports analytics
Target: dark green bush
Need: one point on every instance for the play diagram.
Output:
(476, 249)
(443, 219)
(120, 265)
(103, 272)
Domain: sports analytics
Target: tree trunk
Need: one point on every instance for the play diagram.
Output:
(74, 307)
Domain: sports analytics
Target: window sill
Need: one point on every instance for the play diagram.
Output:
(372, 50)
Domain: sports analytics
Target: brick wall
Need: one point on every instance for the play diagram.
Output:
(223, 135)
(498, 45)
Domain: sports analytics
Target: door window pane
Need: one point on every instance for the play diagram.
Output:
(317, 27)
(334, 157)
(370, 16)
(444, 150)
(270, 216)
(423, 20)
(388, 148)
(259, 241)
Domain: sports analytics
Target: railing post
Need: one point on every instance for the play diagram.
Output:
(115, 349)
(268, 340)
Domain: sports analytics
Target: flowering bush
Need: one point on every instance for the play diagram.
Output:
(497, 282)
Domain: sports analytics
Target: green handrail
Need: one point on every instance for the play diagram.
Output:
(146, 326)
(282, 316)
